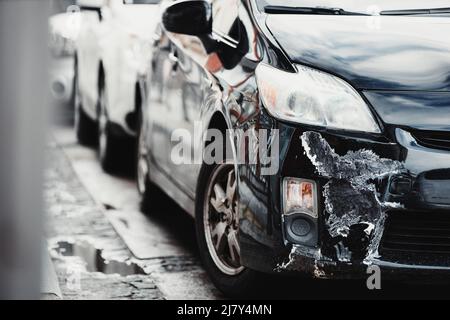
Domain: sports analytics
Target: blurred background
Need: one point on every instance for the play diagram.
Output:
(67, 229)
(63, 28)
(23, 118)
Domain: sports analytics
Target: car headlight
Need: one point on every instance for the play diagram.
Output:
(313, 97)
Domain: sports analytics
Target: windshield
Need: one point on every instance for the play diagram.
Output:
(362, 6)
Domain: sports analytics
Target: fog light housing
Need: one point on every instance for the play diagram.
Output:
(400, 185)
(300, 211)
(300, 227)
(300, 196)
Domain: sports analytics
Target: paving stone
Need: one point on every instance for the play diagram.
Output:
(72, 215)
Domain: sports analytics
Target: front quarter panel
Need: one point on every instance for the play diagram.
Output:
(88, 55)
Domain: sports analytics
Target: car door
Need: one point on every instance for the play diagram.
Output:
(188, 58)
(125, 47)
(88, 57)
(196, 80)
(165, 99)
(111, 53)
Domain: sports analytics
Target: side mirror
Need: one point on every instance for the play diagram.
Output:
(190, 17)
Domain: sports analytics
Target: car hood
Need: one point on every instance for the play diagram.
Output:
(372, 53)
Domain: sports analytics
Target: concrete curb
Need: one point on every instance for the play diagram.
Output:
(50, 289)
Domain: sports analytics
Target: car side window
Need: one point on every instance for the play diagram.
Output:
(225, 20)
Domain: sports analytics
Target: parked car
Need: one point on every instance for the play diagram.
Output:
(360, 103)
(112, 53)
(62, 31)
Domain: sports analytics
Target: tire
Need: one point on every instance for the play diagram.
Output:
(226, 272)
(85, 127)
(110, 147)
(147, 190)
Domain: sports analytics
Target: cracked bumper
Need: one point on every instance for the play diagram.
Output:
(326, 269)
(427, 175)
(403, 194)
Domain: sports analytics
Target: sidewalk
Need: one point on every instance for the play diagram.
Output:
(90, 259)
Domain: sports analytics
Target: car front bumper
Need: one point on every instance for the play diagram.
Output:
(304, 260)
(417, 187)
(61, 79)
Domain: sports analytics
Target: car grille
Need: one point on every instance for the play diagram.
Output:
(433, 139)
(416, 235)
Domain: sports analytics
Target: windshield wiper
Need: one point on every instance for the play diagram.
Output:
(310, 10)
(413, 12)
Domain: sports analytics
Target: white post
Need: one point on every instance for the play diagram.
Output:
(23, 118)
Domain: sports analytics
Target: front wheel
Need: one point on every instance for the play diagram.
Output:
(217, 226)
(149, 193)
(85, 127)
(110, 147)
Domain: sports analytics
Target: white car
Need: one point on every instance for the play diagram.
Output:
(112, 54)
(62, 35)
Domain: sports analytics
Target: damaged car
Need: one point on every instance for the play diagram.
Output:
(354, 100)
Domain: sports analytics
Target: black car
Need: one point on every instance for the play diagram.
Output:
(335, 123)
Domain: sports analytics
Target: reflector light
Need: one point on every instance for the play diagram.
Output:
(300, 196)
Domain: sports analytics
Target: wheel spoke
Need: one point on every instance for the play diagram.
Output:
(231, 187)
(233, 245)
(219, 232)
(218, 202)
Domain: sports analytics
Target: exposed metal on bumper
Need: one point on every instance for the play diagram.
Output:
(310, 261)
(361, 190)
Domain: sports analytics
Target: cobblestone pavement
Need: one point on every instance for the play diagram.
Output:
(73, 218)
(90, 256)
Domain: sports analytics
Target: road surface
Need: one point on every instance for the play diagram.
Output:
(162, 246)
(103, 247)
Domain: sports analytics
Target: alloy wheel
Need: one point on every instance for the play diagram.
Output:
(221, 221)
